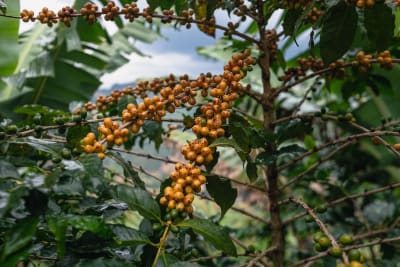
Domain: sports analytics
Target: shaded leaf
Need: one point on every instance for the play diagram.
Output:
(140, 200)
(251, 171)
(58, 227)
(379, 22)
(129, 173)
(18, 237)
(125, 235)
(338, 31)
(213, 233)
(8, 170)
(100, 262)
(9, 39)
(222, 191)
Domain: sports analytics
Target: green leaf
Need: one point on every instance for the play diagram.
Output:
(222, 191)
(309, 142)
(212, 233)
(93, 224)
(226, 142)
(265, 158)
(129, 173)
(291, 20)
(100, 262)
(153, 4)
(17, 257)
(75, 134)
(58, 227)
(125, 235)
(140, 200)
(8, 170)
(168, 260)
(9, 40)
(18, 237)
(251, 171)
(241, 135)
(291, 149)
(167, 4)
(124, 101)
(40, 145)
(92, 164)
(338, 31)
(379, 22)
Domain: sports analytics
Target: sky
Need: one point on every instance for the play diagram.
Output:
(175, 53)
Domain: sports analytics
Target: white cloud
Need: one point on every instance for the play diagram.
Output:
(158, 65)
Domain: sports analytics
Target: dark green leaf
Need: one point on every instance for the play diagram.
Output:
(58, 227)
(153, 130)
(222, 191)
(251, 171)
(129, 173)
(93, 224)
(140, 200)
(40, 145)
(104, 263)
(75, 134)
(379, 22)
(18, 237)
(8, 170)
(153, 4)
(265, 158)
(9, 40)
(291, 149)
(125, 235)
(213, 233)
(338, 30)
(226, 142)
(170, 261)
(124, 101)
(291, 19)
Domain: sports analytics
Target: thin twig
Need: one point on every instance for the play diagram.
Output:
(343, 199)
(314, 166)
(325, 253)
(321, 225)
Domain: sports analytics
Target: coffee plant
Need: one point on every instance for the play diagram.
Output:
(316, 130)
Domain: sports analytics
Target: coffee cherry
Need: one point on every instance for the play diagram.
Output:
(336, 251)
(346, 239)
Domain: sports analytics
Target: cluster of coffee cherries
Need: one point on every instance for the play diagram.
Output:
(47, 16)
(110, 10)
(198, 151)
(168, 94)
(385, 60)
(273, 39)
(363, 62)
(337, 69)
(90, 12)
(365, 3)
(305, 64)
(131, 11)
(27, 15)
(150, 109)
(91, 145)
(313, 15)
(215, 113)
(112, 132)
(66, 14)
(186, 179)
(104, 102)
(295, 4)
